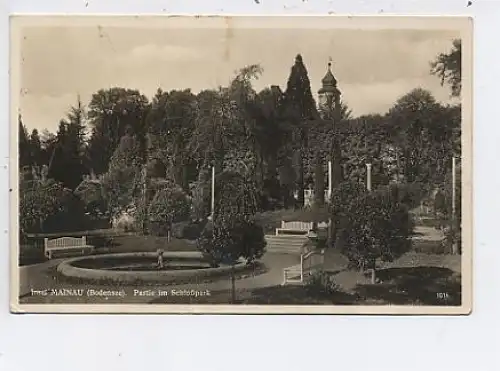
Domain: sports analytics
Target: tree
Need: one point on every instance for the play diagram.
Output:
(344, 112)
(49, 207)
(169, 205)
(110, 112)
(24, 145)
(233, 233)
(91, 192)
(300, 108)
(448, 67)
(376, 226)
(298, 96)
(57, 161)
(67, 162)
(225, 124)
(35, 148)
(236, 194)
(213, 133)
(171, 123)
(200, 191)
(286, 177)
(122, 182)
(319, 181)
(454, 222)
(230, 238)
(271, 135)
(48, 144)
(423, 134)
(414, 121)
(343, 195)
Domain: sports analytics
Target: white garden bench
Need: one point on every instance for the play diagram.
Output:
(67, 245)
(295, 227)
(298, 227)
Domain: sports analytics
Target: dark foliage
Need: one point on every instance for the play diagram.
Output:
(231, 238)
(372, 226)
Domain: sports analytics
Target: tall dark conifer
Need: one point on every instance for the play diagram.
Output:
(36, 148)
(300, 108)
(319, 180)
(24, 145)
(67, 160)
(299, 100)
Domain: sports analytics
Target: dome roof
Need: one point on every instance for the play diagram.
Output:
(329, 79)
(329, 82)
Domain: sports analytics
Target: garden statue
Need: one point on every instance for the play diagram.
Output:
(159, 253)
(45, 173)
(34, 172)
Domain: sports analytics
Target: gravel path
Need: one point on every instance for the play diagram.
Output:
(38, 277)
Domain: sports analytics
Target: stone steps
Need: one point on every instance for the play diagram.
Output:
(285, 244)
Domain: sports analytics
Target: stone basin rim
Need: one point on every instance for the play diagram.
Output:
(67, 269)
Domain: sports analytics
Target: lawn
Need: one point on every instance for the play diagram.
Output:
(277, 295)
(414, 279)
(403, 286)
(408, 287)
(33, 253)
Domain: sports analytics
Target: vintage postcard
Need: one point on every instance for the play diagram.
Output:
(308, 165)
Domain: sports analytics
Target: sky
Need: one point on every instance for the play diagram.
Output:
(373, 67)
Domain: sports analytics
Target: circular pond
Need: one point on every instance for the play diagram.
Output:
(134, 267)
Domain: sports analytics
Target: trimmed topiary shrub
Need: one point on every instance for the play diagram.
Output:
(374, 226)
(227, 240)
(169, 205)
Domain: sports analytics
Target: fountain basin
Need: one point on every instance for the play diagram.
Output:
(135, 267)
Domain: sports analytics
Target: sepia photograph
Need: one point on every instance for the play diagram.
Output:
(246, 165)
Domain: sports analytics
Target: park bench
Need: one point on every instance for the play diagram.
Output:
(294, 227)
(67, 245)
(298, 227)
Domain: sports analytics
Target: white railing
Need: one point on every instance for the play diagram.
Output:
(310, 263)
(293, 274)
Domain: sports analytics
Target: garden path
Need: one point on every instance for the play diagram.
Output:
(38, 277)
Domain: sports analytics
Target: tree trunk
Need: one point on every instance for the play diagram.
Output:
(145, 199)
(272, 177)
(336, 165)
(184, 176)
(233, 286)
(300, 180)
(398, 166)
(319, 181)
(454, 244)
(373, 271)
(332, 232)
(374, 274)
(287, 196)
